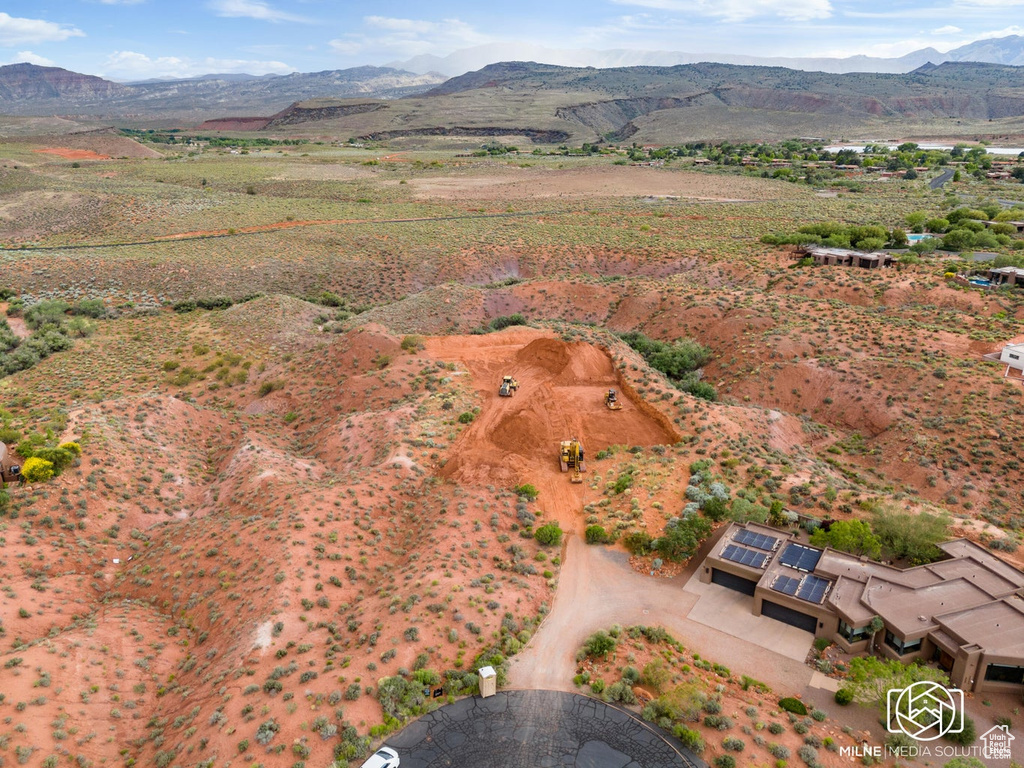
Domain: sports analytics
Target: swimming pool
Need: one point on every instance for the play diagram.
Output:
(980, 281)
(917, 238)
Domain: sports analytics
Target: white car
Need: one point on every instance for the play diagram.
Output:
(385, 757)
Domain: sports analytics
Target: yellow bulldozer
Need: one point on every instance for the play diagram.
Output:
(612, 401)
(570, 456)
(508, 387)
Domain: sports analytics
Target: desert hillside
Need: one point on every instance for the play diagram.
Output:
(296, 476)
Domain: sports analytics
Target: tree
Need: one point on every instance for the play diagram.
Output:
(681, 540)
(906, 536)
(870, 678)
(853, 536)
(876, 625)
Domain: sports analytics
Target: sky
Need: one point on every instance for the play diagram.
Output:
(138, 39)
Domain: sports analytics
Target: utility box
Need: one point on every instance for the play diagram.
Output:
(488, 682)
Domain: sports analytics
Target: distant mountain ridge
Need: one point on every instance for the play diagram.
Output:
(27, 89)
(1004, 50)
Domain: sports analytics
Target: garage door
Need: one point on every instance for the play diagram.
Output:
(789, 616)
(732, 581)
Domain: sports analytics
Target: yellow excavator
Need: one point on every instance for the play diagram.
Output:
(571, 457)
(612, 401)
(508, 387)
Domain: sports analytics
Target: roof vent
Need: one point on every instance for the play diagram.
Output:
(922, 618)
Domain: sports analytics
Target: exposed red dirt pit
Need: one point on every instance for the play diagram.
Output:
(562, 385)
(72, 154)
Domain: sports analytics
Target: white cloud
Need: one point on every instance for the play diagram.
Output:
(130, 65)
(252, 9)
(31, 58)
(949, 29)
(741, 10)
(409, 37)
(17, 31)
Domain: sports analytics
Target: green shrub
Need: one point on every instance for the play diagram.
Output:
(466, 417)
(596, 534)
(599, 644)
(638, 543)
(528, 490)
(795, 706)
(621, 692)
(499, 323)
(725, 761)
(843, 696)
(60, 458)
(550, 534)
(690, 738)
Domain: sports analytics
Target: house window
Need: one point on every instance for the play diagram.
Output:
(853, 634)
(1001, 673)
(902, 647)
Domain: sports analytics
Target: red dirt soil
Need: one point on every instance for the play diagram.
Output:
(562, 386)
(72, 154)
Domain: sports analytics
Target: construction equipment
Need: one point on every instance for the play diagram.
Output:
(570, 456)
(508, 387)
(612, 401)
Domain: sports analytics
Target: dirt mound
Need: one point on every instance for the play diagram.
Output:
(550, 355)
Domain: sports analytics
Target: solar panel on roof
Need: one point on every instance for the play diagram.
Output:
(744, 556)
(787, 585)
(813, 588)
(756, 540)
(800, 557)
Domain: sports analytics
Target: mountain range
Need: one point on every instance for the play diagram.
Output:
(1004, 50)
(28, 89)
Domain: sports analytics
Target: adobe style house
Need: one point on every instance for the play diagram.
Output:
(965, 612)
(844, 257)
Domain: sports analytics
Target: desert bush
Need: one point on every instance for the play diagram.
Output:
(795, 706)
(638, 543)
(690, 738)
(507, 321)
(843, 696)
(599, 644)
(528, 490)
(621, 692)
(267, 730)
(550, 534)
(596, 534)
(36, 470)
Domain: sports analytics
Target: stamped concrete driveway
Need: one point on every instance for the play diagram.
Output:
(536, 729)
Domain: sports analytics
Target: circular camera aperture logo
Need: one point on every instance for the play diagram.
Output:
(925, 711)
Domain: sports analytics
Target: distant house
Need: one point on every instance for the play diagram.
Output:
(844, 257)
